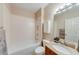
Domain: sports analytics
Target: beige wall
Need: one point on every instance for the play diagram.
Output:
(1, 15)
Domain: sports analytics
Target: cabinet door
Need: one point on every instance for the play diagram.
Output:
(49, 51)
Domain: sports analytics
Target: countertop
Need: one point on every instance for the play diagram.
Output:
(60, 49)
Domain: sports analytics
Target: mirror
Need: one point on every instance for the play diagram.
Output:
(66, 25)
(59, 27)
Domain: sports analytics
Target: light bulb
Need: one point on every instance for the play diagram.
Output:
(61, 7)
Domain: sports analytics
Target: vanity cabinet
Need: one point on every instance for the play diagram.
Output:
(48, 51)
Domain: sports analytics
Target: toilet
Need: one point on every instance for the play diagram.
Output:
(40, 50)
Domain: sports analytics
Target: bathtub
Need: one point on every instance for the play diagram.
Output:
(27, 51)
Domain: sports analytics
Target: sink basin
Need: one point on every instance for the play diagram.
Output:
(64, 49)
(61, 49)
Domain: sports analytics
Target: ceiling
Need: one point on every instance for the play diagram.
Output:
(31, 7)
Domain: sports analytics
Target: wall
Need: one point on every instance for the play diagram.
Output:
(19, 26)
(22, 30)
(1, 15)
(46, 29)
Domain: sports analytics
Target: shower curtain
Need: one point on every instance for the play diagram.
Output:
(72, 29)
(3, 48)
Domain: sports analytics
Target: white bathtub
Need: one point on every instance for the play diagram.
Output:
(27, 51)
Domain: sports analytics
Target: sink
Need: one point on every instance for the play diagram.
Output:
(64, 49)
(61, 49)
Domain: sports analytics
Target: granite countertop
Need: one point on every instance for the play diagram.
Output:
(60, 49)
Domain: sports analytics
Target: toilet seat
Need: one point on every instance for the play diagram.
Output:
(40, 50)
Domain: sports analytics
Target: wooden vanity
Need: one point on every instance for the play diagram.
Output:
(48, 51)
(52, 48)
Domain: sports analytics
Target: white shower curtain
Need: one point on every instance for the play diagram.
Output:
(3, 48)
(72, 30)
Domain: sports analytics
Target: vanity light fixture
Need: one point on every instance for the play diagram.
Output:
(65, 7)
(68, 4)
(62, 7)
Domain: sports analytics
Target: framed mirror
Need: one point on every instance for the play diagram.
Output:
(66, 24)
